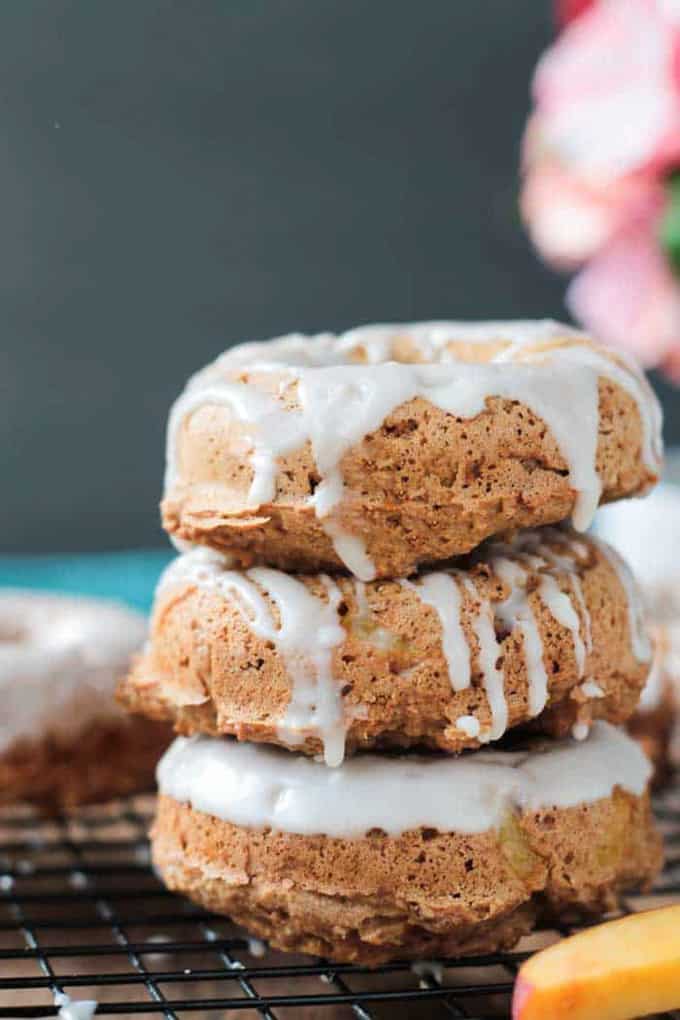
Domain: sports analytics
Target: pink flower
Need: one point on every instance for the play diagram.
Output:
(571, 217)
(607, 93)
(629, 297)
(603, 137)
(567, 10)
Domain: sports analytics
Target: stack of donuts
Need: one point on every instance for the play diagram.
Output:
(396, 669)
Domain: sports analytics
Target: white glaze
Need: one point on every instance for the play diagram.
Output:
(541, 557)
(488, 655)
(307, 630)
(469, 725)
(338, 403)
(60, 660)
(264, 787)
(566, 561)
(516, 611)
(440, 591)
(592, 690)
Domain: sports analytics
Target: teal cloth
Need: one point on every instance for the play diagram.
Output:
(127, 576)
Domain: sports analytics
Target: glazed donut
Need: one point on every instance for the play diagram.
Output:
(404, 857)
(546, 629)
(63, 738)
(392, 446)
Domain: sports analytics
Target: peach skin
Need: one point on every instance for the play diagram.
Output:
(615, 971)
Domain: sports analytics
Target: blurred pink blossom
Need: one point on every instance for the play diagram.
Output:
(628, 295)
(598, 149)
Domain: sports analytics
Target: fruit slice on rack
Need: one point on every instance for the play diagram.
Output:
(614, 971)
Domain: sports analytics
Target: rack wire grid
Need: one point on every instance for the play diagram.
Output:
(82, 914)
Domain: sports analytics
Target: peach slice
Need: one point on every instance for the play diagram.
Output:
(615, 971)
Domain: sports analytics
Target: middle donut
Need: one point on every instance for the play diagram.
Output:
(545, 630)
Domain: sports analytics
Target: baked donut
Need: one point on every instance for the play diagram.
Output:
(63, 738)
(404, 857)
(392, 446)
(545, 629)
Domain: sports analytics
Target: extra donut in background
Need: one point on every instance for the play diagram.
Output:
(376, 859)
(545, 629)
(63, 739)
(392, 446)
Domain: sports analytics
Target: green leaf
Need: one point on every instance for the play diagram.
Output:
(669, 230)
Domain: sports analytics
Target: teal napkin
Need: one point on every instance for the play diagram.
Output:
(127, 576)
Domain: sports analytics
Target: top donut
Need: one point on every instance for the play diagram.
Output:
(390, 446)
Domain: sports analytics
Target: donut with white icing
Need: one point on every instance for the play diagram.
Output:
(404, 857)
(63, 738)
(543, 630)
(392, 446)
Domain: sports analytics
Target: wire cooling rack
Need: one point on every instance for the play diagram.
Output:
(83, 915)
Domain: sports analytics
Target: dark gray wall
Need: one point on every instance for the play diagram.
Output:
(177, 176)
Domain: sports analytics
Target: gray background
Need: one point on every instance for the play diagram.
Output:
(176, 177)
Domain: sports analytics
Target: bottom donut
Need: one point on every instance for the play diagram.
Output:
(405, 856)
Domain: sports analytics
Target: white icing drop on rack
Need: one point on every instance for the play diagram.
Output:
(60, 659)
(305, 634)
(440, 591)
(74, 1009)
(547, 366)
(351, 550)
(263, 787)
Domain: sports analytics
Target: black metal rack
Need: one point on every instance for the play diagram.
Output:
(81, 913)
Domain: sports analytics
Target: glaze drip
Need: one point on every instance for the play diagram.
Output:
(305, 633)
(346, 386)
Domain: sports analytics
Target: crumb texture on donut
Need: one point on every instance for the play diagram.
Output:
(315, 454)
(420, 894)
(545, 629)
(109, 758)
